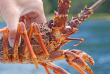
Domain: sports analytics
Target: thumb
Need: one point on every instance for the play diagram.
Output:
(11, 14)
(12, 23)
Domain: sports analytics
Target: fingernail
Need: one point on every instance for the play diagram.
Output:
(11, 39)
(11, 42)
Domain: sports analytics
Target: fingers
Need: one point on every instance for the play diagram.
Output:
(33, 17)
(41, 18)
(35, 13)
(32, 11)
(38, 16)
(12, 26)
(15, 9)
(10, 13)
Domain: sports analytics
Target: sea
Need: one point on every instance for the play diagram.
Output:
(97, 44)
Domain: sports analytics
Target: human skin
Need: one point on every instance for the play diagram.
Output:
(15, 11)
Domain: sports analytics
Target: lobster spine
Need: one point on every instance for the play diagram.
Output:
(63, 7)
(76, 21)
(60, 16)
(60, 19)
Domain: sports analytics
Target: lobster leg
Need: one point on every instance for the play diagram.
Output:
(5, 47)
(75, 66)
(45, 66)
(83, 55)
(73, 59)
(16, 44)
(80, 40)
(39, 38)
(56, 69)
(26, 53)
(5, 43)
(4, 30)
(25, 36)
(25, 48)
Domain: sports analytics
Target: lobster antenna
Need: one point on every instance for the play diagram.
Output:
(97, 4)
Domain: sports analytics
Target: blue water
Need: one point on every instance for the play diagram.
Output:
(96, 44)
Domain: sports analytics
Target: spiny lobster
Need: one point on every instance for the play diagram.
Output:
(40, 43)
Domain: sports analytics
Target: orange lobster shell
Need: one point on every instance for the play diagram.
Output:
(40, 43)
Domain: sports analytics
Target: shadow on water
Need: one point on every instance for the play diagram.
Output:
(96, 44)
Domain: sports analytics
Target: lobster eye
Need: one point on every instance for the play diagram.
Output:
(52, 24)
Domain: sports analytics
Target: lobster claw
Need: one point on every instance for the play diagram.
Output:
(77, 62)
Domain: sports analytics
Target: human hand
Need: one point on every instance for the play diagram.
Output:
(15, 11)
